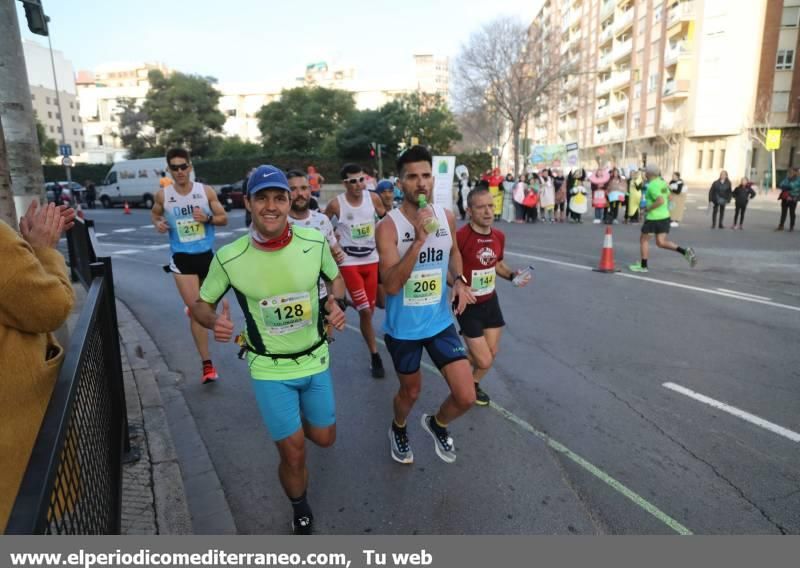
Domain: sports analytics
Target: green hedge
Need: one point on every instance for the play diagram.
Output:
(80, 173)
(229, 170)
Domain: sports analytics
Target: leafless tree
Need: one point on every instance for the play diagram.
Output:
(481, 130)
(495, 71)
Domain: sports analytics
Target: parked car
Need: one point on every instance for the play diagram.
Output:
(69, 191)
(234, 193)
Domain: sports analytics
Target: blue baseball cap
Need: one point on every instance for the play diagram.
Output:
(384, 185)
(266, 177)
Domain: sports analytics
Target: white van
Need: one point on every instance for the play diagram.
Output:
(134, 181)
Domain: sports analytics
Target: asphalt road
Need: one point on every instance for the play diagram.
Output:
(583, 437)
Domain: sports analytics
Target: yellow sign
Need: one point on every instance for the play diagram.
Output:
(773, 139)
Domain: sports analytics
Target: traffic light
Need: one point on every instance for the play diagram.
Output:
(34, 13)
(372, 149)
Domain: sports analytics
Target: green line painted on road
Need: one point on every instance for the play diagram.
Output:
(586, 465)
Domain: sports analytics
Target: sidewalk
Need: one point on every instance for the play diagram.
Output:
(173, 488)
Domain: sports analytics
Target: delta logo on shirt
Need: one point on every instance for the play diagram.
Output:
(183, 211)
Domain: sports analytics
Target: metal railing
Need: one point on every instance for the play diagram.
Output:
(73, 481)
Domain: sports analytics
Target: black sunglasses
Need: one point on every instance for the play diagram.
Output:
(353, 181)
(181, 167)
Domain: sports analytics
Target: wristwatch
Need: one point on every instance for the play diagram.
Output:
(210, 218)
(462, 278)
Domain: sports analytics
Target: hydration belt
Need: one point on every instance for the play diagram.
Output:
(244, 347)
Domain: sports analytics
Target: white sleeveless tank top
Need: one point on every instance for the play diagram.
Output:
(356, 231)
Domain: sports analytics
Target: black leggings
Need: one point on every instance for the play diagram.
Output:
(788, 206)
(721, 209)
(738, 215)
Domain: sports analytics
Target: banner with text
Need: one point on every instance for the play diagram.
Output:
(444, 168)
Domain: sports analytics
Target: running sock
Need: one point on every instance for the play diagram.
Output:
(439, 428)
(680, 250)
(644, 263)
(207, 363)
(397, 427)
(300, 506)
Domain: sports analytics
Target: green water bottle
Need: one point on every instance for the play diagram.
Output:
(431, 224)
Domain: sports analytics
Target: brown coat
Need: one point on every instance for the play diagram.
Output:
(35, 299)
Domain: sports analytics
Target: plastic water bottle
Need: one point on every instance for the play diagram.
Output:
(523, 276)
(431, 224)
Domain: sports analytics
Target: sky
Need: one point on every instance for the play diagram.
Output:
(267, 41)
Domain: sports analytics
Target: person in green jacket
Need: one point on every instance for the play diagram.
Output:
(790, 193)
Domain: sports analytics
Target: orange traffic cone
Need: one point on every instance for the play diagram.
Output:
(607, 256)
(127, 209)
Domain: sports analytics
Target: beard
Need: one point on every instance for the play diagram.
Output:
(297, 208)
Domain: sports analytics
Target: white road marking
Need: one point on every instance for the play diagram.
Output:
(736, 295)
(549, 260)
(714, 292)
(224, 234)
(241, 229)
(157, 247)
(150, 226)
(129, 230)
(744, 294)
(126, 251)
(702, 208)
(100, 234)
(752, 418)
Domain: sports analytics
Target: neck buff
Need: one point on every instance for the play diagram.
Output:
(277, 243)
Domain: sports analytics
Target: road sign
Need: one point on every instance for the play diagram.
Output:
(773, 139)
(66, 161)
(65, 150)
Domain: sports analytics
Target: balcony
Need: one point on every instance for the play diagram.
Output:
(604, 62)
(606, 35)
(622, 22)
(567, 105)
(607, 9)
(603, 87)
(673, 53)
(618, 107)
(675, 89)
(683, 12)
(601, 113)
(567, 125)
(620, 79)
(571, 84)
(622, 49)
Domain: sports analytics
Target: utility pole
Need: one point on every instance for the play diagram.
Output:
(16, 112)
(66, 159)
(8, 212)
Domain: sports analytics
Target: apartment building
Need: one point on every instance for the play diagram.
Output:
(99, 92)
(44, 100)
(686, 84)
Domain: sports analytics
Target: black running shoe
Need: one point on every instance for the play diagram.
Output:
(302, 525)
(481, 398)
(377, 367)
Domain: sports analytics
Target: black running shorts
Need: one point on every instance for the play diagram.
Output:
(444, 348)
(478, 317)
(185, 263)
(658, 227)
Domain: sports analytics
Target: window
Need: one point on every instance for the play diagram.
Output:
(637, 90)
(59, 130)
(699, 159)
(657, 13)
(637, 121)
(785, 60)
(74, 131)
(780, 101)
(722, 159)
(52, 129)
(71, 105)
(33, 97)
(651, 116)
(790, 16)
(49, 114)
(711, 159)
(642, 25)
(652, 83)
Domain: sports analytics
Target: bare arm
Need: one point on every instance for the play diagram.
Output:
(378, 204)
(505, 271)
(332, 209)
(220, 218)
(394, 270)
(204, 313)
(456, 268)
(157, 213)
